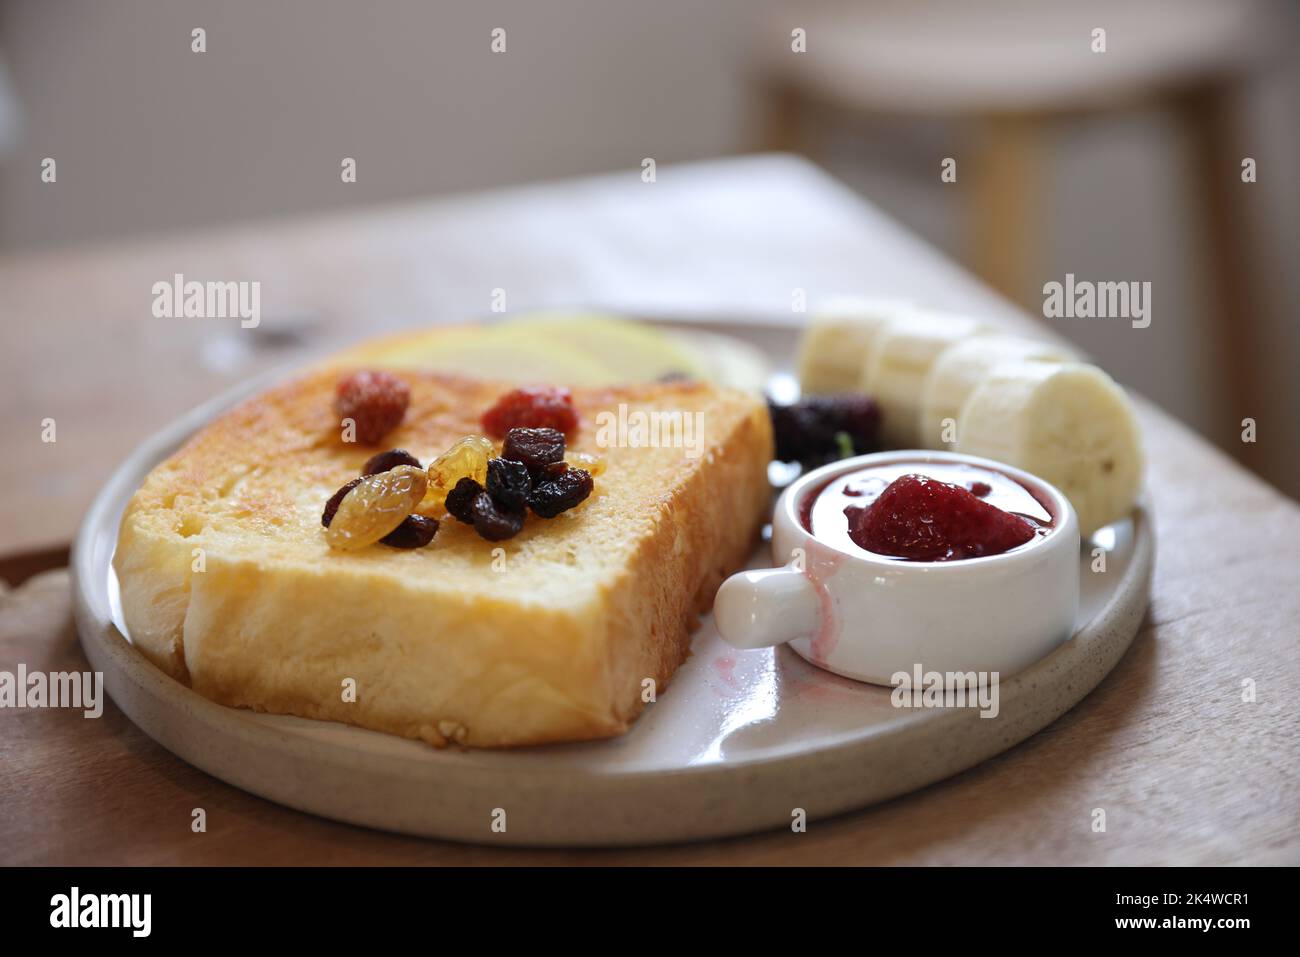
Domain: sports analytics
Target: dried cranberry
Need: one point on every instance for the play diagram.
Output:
(375, 401)
(561, 493)
(536, 448)
(508, 482)
(494, 521)
(386, 461)
(534, 407)
(821, 428)
(416, 531)
(460, 500)
(335, 501)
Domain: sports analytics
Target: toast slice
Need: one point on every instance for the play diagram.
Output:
(227, 583)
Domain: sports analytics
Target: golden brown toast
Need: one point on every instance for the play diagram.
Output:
(227, 582)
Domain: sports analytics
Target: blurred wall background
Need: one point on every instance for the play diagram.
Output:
(150, 140)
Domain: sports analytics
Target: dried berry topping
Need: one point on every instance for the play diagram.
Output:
(821, 428)
(536, 448)
(466, 458)
(460, 500)
(535, 407)
(548, 472)
(494, 521)
(391, 459)
(416, 531)
(595, 464)
(508, 483)
(375, 401)
(332, 505)
(375, 506)
(561, 493)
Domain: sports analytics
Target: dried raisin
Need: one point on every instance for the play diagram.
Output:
(332, 505)
(386, 461)
(508, 482)
(416, 531)
(595, 464)
(494, 521)
(466, 458)
(536, 448)
(460, 500)
(375, 506)
(561, 493)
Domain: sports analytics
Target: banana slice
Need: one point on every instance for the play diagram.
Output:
(901, 358)
(1066, 422)
(838, 342)
(962, 367)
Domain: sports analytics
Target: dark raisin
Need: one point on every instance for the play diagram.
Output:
(335, 501)
(416, 531)
(386, 461)
(551, 472)
(460, 500)
(536, 448)
(508, 483)
(495, 522)
(561, 493)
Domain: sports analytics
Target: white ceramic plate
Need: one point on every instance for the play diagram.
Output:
(739, 741)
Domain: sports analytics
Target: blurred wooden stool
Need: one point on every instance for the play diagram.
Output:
(1013, 70)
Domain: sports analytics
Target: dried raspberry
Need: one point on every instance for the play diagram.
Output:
(460, 500)
(535, 407)
(391, 459)
(416, 531)
(536, 448)
(332, 505)
(561, 493)
(375, 401)
(508, 483)
(923, 519)
(494, 521)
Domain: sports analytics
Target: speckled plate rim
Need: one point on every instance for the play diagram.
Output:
(558, 806)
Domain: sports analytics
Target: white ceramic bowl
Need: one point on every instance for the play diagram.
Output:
(869, 617)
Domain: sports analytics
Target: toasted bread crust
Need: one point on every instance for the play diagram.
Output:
(227, 583)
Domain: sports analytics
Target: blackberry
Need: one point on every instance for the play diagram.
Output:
(460, 500)
(508, 483)
(391, 459)
(332, 505)
(822, 428)
(536, 448)
(569, 488)
(493, 521)
(415, 532)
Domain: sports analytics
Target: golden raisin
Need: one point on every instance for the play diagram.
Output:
(376, 506)
(467, 458)
(593, 464)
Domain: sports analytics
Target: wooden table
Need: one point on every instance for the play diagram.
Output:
(1185, 769)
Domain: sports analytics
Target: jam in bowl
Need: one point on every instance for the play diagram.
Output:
(926, 511)
(889, 561)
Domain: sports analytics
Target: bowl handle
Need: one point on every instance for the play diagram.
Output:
(769, 606)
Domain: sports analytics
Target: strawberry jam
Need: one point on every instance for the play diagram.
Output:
(925, 511)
